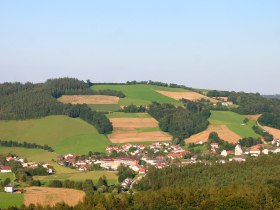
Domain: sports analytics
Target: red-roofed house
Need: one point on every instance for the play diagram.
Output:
(5, 169)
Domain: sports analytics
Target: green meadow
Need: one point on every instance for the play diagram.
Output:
(142, 94)
(63, 134)
(8, 200)
(4, 176)
(105, 107)
(234, 122)
(128, 115)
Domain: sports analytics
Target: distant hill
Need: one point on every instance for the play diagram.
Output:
(277, 96)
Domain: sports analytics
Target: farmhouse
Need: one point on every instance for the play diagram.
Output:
(214, 145)
(238, 150)
(9, 188)
(5, 169)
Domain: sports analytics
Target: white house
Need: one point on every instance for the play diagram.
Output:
(238, 150)
(224, 153)
(9, 188)
(5, 169)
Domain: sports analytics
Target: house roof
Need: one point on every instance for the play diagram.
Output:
(5, 168)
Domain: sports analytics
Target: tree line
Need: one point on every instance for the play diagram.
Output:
(25, 145)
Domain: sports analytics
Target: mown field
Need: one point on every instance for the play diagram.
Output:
(63, 134)
(7, 200)
(4, 176)
(141, 94)
(234, 122)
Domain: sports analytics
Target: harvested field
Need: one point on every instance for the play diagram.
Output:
(124, 136)
(134, 122)
(253, 117)
(192, 96)
(273, 131)
(224, 133)
(51, 196)
(89, 99)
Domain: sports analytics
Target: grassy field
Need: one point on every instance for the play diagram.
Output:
(105, 107)
(141, 94)
(234, 122)
(63, 134)
(4, 176)
(128, 115)
(7, 200)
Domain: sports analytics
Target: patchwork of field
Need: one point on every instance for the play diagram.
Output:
(63, 134)
(88, 99)
(192, 96)
(223, 131)
(253, 117)
(142, 94)
(135, 127)
(51, 196)
(8, 200)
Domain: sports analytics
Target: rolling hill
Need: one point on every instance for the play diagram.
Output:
(63, 134)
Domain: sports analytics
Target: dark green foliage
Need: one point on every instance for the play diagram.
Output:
(223, 145)
(180, 122)
(134, 109)
(36, 183)
(125, 172)
(39, 171)
(25, 145)
(249, 142)
(267, 137)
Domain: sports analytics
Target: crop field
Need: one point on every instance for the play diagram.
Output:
(234, 122)
(51, 196)
(7, 200)
(141, 94)
(273, 131)
(105, 107)
(135, 127)
(89, 99)
(192, 96)
(63, 134)
(223, 131)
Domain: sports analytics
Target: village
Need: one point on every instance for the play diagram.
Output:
(140, 157)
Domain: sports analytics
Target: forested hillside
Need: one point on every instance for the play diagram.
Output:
(27, 101)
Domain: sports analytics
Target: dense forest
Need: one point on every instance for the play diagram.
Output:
(181, 122)
(27, 101)
(254, 184)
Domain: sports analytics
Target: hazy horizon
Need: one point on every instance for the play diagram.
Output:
(213, 45)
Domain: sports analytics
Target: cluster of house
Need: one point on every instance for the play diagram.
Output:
(25, 164)
(130, 155)
(240, 154)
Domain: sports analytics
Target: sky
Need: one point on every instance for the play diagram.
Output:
(217, 44)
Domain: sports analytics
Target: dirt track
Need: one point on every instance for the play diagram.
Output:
(89, 99)
(51, 196)
(224, 133)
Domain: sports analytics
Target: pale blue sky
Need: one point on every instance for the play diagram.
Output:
(232, 45)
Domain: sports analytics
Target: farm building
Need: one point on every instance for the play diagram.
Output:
(5, 169)
(9, 188)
